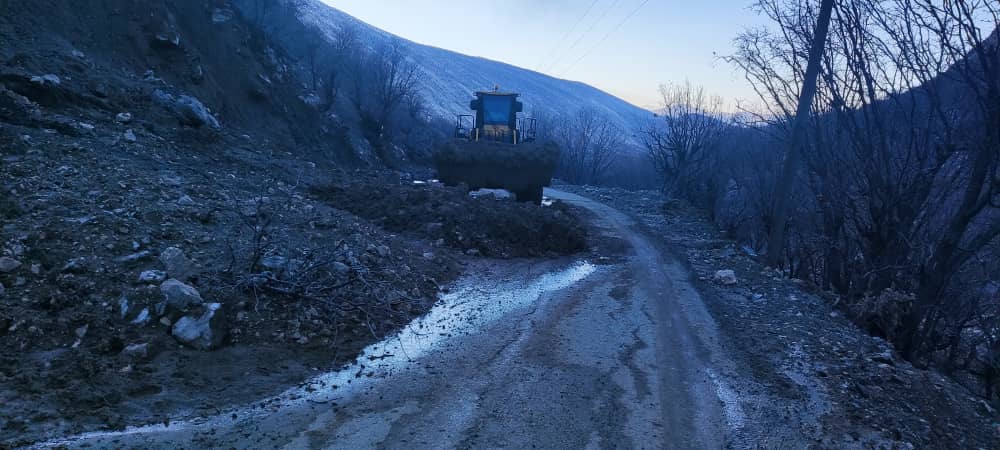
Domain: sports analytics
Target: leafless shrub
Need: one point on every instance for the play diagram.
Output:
(331, 63)
(883, 312)
(349, 279)
(683, 140)
(900, 189)
(382, 81)
(589, 143)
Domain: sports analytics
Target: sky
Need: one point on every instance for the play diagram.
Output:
(625, 47)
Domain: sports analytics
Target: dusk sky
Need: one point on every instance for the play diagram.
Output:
(599, 42)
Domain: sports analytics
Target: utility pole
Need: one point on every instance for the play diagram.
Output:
(793, 159)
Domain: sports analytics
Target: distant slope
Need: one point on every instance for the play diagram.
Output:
(451, 78)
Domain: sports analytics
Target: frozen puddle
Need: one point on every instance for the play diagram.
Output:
(469, 307)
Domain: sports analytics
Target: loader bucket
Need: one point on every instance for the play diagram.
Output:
(523, 169)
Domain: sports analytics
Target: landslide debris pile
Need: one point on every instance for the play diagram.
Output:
(159, 253)
(483, 225)
(122, 261)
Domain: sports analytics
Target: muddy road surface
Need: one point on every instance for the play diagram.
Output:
(615, 352)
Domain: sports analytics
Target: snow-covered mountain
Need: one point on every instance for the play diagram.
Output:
(450, 78)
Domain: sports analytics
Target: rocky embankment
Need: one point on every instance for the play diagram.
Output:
(142, 280)
(163, 249)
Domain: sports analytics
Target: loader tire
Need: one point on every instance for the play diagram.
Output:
(533, 195)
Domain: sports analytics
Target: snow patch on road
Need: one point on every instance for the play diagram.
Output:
(463, 311)
(472, 305)
(730, 401)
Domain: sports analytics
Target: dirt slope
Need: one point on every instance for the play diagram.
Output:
(142, 141)
(112, 55)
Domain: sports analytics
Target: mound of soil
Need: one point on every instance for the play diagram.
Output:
(483, 225)
(158, 148)
(172, 144)
(301, 285)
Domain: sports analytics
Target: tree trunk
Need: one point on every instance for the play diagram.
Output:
(776, 239)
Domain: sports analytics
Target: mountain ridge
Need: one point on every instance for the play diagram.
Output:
(450, 78)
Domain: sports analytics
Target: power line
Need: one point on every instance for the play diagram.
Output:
(605, 38)
(577, 42)
(585, 33)
(568, 33)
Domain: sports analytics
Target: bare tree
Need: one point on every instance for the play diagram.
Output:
(382, 82)
(345, 51)
(682, 141)
(800, 121)
(314, 53)
(954, 32)
(901, 152)
(329, 62)
(589, 142)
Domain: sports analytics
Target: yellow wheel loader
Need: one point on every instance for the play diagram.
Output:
(496, 149)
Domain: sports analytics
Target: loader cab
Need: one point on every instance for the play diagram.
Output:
(495, 119)
(495, 149)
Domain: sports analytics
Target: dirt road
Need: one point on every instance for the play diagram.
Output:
(612, 353)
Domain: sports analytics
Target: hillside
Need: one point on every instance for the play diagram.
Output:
(217, 230)
(448, 78)
(165, 191)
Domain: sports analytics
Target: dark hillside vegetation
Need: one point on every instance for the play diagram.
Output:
(897, 209)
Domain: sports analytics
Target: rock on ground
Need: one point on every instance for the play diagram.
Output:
(341, 268)
(178, 265)
(152, 276)
(499, 194)
(49, 78)
(138, 256)
(186, 200)
(136, 351)
(189, 110)
(177, 296)
(204, 332)
(274, 262)
(9, 264)
(726, 277)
